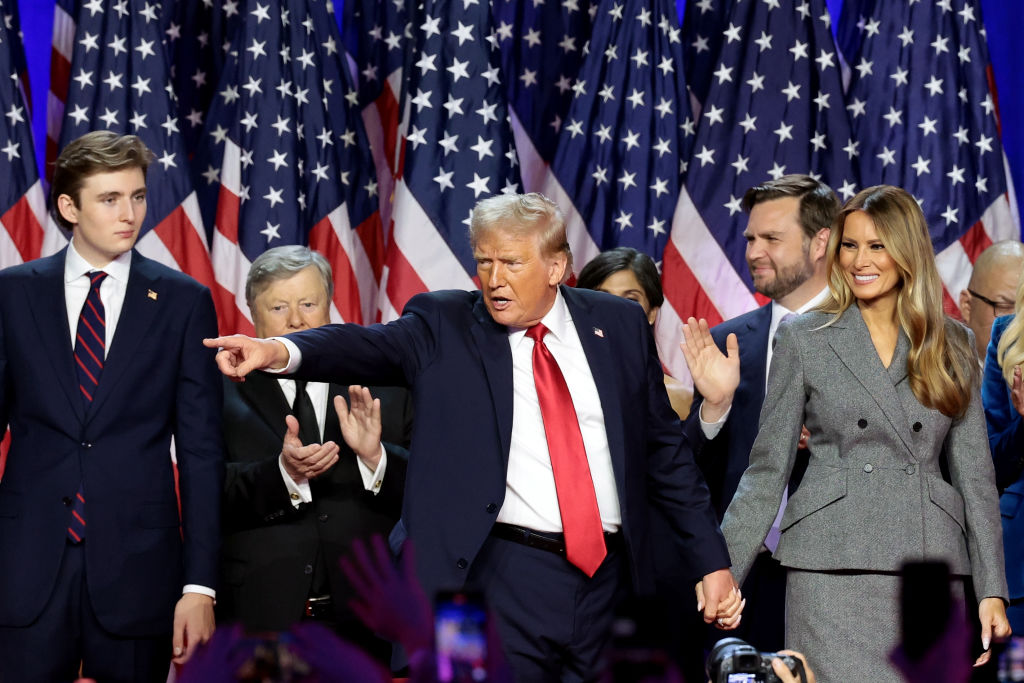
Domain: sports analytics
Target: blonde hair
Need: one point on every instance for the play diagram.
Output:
(942, 364)
(1010, 352)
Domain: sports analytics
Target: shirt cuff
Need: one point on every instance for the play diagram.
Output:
(202, 590)
(294, 358)
(299, 492)
(711, 429)
(372, 480)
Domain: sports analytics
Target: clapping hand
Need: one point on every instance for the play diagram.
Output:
(361, 424)
(715, 375)
(305, 462)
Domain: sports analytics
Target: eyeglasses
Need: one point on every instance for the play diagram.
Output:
(999, 308)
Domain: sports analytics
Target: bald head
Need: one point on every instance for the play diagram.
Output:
(992, 289)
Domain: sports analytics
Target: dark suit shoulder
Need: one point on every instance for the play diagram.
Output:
(737, 325)
(33, 269)
(156, 270)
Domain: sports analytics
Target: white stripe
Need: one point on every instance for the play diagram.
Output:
(423, 246)
(668, 332)
(9, 254)
(63, 32)
(537, 177)
(709, 264)
(358, 259)
(230, 268)
(190, 205)
(53, 238)
(387, 311)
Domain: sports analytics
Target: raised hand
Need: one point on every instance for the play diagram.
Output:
(360, 424)
(239, 355)
(715, 375)
(305, 462)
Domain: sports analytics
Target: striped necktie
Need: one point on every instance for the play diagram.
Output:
(90, 347)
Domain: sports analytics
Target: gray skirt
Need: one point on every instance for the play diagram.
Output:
(846, 623)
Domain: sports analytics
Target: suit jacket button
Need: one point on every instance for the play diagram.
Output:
(491, 507)
(917, 426)
(308, 569)
(66, 501)
(911, 469)
(462, 564)
(323, 517)
(86, 444)
(868, 467)
(862, 423)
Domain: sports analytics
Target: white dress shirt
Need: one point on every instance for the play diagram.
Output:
(530, 497)
(112, 291)
(299, 491)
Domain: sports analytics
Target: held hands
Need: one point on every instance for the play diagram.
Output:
(193, 625)
(994, 625)
(360, 424)
(239, 355)
(720, 599)
(715, 375)
(305, 462)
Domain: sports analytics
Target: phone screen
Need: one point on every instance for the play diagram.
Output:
(743, 678)
(460, 625)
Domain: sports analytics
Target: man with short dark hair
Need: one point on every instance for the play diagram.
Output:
(303, 481)
(542, 434)
(790, 221)
(101, 364)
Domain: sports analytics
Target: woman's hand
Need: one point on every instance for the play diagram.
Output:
(994, 626)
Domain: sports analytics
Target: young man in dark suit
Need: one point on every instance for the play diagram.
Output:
(303, 481)
(101, 364)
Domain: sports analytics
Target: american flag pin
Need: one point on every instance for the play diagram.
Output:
(151, 294)
(598, 332)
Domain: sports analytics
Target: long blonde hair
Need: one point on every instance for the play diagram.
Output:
(1010, 351)
(942, 364)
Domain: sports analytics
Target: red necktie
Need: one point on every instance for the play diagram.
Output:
(90, 342)
(577, 501)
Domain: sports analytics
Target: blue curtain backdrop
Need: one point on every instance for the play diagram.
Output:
(1001, 22)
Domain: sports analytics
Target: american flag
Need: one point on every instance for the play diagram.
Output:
(23, 234)
(922, 106)
(285, 159)
(120, 82)
(624, 141)
(775, 106)
(197, 36)
(60, 76)
(458, 148)
(703, 24)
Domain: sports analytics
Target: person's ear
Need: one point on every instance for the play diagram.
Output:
(965, 305)
(652, 314)
(820, 243)
(68, 210)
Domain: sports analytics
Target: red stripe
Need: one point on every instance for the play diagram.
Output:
(25, 231)
(78, 517)
(5, 447)
(387, 106)
(226, 219)
(78, 538)
(85, 392)
(86, 347)
(60, 75)
(403, 281)
(346, 286)
(975, 241)
(79, 496)
(85, 321)
(683, 289)
(97, 313)
(78, 360)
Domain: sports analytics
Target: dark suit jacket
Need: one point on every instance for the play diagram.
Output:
(270, 547)
(724, 458)
(158, 381)
(1006, 438)
(458, 362)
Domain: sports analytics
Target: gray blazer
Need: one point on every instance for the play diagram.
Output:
(873, 496)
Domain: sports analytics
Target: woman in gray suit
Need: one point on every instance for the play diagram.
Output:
(887, 387)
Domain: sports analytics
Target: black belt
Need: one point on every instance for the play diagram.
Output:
(319, 608)
(545, 540)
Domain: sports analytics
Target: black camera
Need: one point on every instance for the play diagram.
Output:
(735, 661)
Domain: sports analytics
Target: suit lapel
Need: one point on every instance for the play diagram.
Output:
(135, 322)
(598, 348)
(851, 341)
(754, 352)
(496, 357)
(49, 310)
(332, 429)
(263, 393)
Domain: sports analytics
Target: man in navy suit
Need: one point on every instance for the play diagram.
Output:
(788, 229)
(101, 363)
(486, 501)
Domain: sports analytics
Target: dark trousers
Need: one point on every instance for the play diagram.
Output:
(67, 636)
(554, 621)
